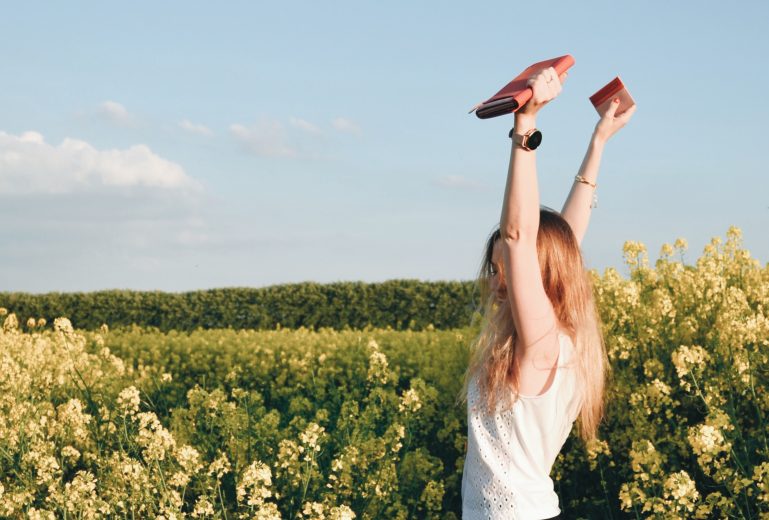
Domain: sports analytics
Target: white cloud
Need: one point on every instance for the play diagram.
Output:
(342, 124)
(104, 217)
(457, 182)
(296, 138)
(30, 165)
(116, 113)
(266, 138)
(193, 128)
(305, 126)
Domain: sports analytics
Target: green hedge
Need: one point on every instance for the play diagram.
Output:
(400, 304)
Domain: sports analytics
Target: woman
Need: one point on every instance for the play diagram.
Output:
(539, 362)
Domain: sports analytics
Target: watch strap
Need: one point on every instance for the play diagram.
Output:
(522, 139)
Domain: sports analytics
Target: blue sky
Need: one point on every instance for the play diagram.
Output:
(188, 145)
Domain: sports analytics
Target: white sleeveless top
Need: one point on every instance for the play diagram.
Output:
(509, 456)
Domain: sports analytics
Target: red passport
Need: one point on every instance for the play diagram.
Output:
(614, 89)
(516, 93)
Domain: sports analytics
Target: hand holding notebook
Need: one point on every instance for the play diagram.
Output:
(546, 85)
(515, 94)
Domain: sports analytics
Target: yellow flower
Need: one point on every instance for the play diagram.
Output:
(288, 460)
(681, 244)
(62, 325)
(680, 488)
(70, 454)
(313, 510)
(268, 511)
(685, 359)
(660, 388)
(635, 254)
(46, 467)
(153, 437)
(310, 438)
(189, 458)
(220, 466)
(254, 484)
(11, 323)
(80, 494)
(761, 478)
(341, 513)
(410, 401)
(203, 507)
(708, 443)
(128, 401)
(377, 371)
(594, 448)
(73, 421)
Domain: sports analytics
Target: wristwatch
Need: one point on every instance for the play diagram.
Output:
(528, 141)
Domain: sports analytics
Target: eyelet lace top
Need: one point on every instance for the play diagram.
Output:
(509, 456)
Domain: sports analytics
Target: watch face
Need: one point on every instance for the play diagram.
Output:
(534, 140)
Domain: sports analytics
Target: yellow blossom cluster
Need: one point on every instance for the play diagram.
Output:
(320, 511)
(253, 487)
(595, 448)
(689, 360)
(377, 371)
(679, 489)
(690, 345)
(410, 401)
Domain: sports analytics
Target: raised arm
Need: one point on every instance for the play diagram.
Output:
(579, 202)
(532, 311)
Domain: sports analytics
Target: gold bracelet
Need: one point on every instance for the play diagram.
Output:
(580, 178)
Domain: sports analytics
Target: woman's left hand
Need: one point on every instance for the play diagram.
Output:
(609, 124)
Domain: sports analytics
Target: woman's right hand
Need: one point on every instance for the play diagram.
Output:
(545, 85)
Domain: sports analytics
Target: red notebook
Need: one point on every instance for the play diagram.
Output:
(614, 89)
(516, 93)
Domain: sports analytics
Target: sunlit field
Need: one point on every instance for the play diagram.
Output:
(311, 424)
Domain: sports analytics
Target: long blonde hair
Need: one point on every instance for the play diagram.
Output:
(570, 290)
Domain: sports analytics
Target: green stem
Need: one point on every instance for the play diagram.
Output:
(6, 454)
(221, 499)
(758, 409)
(162, 477)
(747, 505)
(699, 392)
(605, 492)
(184, 490)
(306, 479)
(733, 410)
